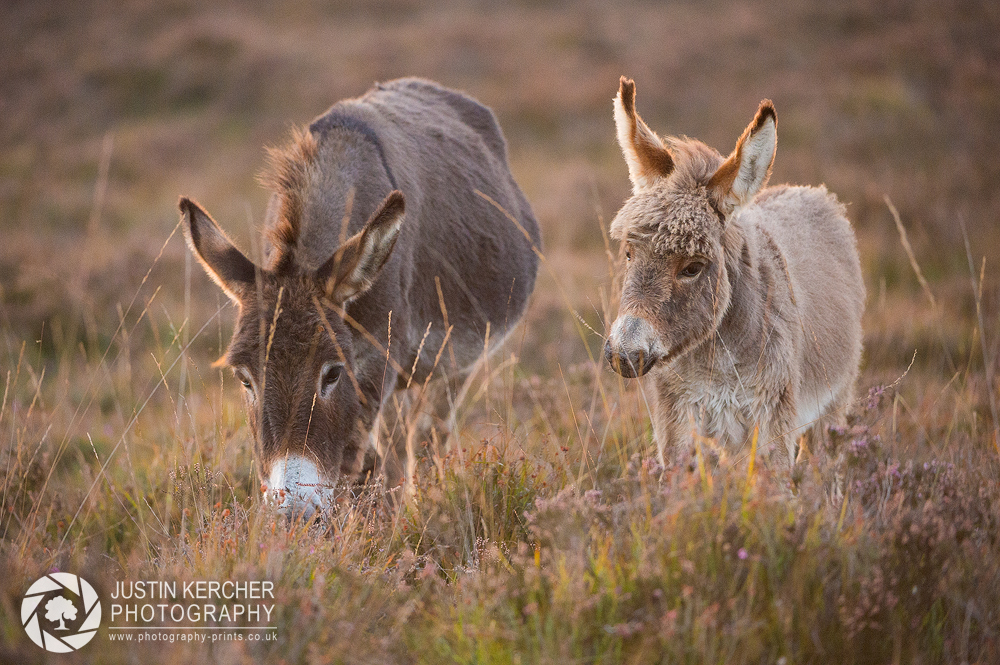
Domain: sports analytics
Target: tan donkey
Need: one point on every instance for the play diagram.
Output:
(743, 302)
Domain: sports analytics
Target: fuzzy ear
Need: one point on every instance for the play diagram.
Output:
(645, 154)
(747, 169)
(225, 264)
(354, 266)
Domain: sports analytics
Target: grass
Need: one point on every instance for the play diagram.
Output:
(550, 532)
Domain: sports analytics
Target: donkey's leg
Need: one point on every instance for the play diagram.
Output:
(835, 416)
(776, 439)
(411, 419)
(431, 419)
(370, 456)
(673, 426)
(392, 443)
(445, 403)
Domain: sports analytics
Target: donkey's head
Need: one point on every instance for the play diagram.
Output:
(305, 391)
(677, 234)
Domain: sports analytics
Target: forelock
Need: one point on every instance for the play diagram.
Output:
(675, 216)
(297, 318)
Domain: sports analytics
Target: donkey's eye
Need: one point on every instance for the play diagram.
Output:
(244, 378)
(692, 269)
(628, 254)
(330, 376)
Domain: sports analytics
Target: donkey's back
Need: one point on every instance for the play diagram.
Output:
(817, 247)
(446, 152)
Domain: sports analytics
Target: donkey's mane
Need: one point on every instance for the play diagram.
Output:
(287, 175)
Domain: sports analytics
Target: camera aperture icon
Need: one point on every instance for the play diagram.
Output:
(61, 612)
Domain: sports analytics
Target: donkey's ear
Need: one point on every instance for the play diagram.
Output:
(645, 154)
(747, 169)
(225, 264)
(354, 266)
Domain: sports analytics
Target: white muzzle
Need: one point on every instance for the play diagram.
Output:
(298, 487)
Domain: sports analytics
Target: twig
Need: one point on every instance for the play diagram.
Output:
(903, 238)
(977, 293)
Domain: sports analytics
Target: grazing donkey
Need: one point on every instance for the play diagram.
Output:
(353, 303)
(744, 302)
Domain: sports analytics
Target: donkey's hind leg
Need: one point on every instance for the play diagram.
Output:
(819, 437)
(835, 415)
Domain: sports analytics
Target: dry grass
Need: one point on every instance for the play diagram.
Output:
(549, 534)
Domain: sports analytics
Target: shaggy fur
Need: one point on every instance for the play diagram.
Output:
(363, 284)
(288, 175)
(743, 302)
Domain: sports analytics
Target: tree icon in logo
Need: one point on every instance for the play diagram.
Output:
(59, 609)
(60, 598)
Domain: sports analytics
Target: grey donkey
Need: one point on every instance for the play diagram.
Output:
(743, 302)
(397, 249)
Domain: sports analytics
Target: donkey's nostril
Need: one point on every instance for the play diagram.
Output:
(618, 361)
(630, 365)
(641, 362)
(629, 348)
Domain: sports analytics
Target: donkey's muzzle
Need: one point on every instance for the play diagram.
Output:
(629, 364)
(298, 487)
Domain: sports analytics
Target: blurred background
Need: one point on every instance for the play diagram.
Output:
(124, 454)
(111, 110)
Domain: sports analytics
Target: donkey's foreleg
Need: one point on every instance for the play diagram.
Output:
(673, 426)
(441, 400)
(396, 462)
(778, 440)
